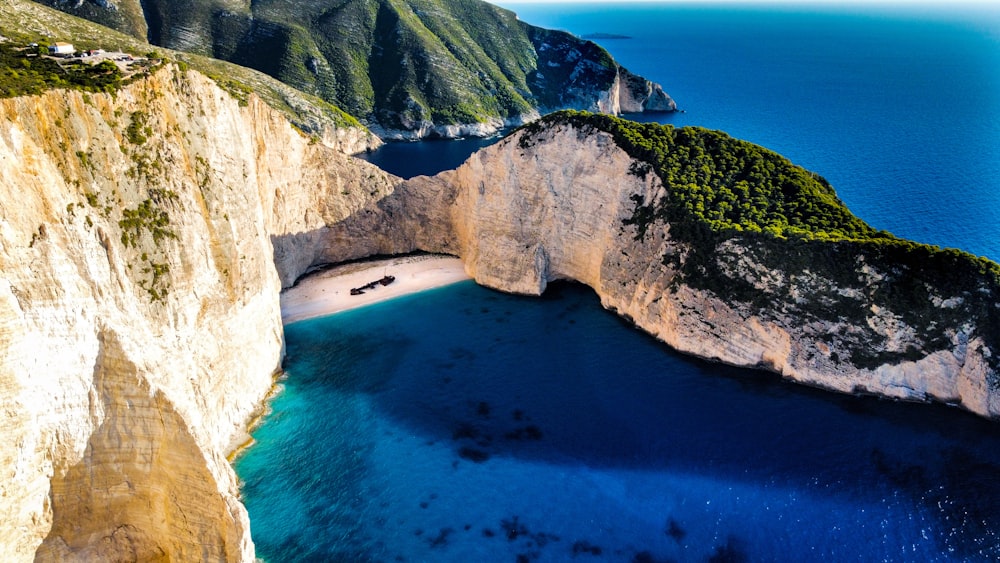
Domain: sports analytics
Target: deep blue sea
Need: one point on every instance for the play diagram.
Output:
(465, 425)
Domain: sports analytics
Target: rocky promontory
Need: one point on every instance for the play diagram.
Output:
(717, 247)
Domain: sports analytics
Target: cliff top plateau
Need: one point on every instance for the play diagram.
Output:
(23, 22)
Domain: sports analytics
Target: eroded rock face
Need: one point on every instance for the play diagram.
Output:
(631, 93)
(146, 235)
(139, 317)
(522, 214)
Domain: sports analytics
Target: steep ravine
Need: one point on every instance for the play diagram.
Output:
(139, 318)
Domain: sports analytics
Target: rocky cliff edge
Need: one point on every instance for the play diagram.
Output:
(146, 235)
(139, 321)
(834, 305)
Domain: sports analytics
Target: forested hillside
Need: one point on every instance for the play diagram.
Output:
(397, 64)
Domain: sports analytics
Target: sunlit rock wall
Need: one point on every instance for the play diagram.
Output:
(139, 316)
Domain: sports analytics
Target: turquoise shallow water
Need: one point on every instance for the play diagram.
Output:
(465, 425)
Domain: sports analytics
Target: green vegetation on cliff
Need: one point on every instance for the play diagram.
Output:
(721, 184)
(23, 72)
(25, 21)
(724, 194)
(401, 62)
(397, 63)
(123, 15)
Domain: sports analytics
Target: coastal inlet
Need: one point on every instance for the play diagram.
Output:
(518, 430)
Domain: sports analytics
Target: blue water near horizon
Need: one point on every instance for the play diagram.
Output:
(462, 424)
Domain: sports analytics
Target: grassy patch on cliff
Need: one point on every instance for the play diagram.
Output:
(398, 62)
(724, 194)
(23, 22)
(23, 72)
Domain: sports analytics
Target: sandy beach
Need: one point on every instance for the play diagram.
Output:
(329, 291)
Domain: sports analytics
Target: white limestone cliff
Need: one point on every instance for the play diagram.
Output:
(631, 93)
(144, 237)
(556, 208)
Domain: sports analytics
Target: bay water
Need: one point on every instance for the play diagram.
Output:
(461, 424)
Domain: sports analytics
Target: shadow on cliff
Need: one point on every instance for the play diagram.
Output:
(394, 225)
(562, 383)
(141, 473)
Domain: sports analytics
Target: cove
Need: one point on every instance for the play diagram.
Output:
(462, 424)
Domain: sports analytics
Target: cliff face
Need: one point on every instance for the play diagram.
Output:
(573, 74)
(139, 317)
(146, 235)
(561, 202)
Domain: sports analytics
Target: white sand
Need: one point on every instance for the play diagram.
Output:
(329, 291)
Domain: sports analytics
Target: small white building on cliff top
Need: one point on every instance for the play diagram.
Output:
(60, 48)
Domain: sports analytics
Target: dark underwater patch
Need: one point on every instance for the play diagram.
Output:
(473, 455)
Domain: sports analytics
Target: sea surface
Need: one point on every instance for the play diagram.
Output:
(462, 424)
